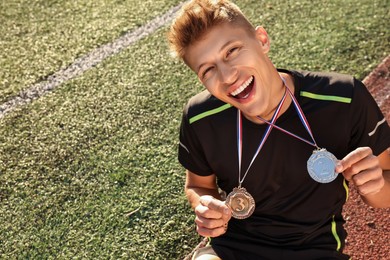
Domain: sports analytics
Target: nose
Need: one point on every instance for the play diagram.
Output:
(228, 73)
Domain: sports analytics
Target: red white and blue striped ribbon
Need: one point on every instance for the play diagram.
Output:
(262, 142)
(301, 117)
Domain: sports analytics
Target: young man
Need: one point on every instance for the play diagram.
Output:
(269, 139)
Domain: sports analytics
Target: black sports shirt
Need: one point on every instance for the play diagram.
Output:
(293, 212)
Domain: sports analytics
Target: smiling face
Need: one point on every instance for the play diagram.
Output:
(234, 67)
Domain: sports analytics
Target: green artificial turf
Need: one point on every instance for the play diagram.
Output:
(41, 37)
(76, 162)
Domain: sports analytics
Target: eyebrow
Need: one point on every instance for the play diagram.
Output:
(220, 50)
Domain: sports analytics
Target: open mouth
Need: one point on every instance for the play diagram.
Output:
(243, 91)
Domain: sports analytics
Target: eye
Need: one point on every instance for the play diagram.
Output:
(232, 51)
(206, 72)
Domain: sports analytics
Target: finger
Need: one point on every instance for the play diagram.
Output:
(371, 187)
(209, 223)
(216, 205)
(215, 232)
(367, 163)
(206, 212)
(367, 175)
(352, 158)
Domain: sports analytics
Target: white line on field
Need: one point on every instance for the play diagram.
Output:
(80, 65)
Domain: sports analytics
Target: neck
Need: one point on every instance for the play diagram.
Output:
(278, 94)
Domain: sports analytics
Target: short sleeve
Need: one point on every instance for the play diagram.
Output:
(368, 126)
(190, 152)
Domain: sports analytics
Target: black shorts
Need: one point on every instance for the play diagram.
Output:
(279, 253)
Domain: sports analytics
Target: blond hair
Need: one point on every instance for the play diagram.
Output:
(197, 17)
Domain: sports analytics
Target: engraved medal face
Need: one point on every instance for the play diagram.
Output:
(241, 203)
(321, 166)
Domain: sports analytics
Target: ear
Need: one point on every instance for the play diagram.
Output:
(262, 37)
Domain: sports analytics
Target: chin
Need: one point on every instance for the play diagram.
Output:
(252, 109)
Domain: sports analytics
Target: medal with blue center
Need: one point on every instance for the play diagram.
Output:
(321, 166)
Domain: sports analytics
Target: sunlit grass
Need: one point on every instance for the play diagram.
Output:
(40, 37)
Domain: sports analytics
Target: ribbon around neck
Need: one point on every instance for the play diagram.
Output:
(302, 117)
(262, 142)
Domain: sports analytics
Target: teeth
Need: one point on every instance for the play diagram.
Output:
(242, 87)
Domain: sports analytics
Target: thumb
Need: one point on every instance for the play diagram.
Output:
(340, 166)
(215, 204)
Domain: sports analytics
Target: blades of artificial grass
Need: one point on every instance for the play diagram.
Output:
(39, 38)
(101, 146)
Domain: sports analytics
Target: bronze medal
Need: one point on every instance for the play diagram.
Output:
(241, 203)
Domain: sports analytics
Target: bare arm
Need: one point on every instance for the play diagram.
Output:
(212, 215)
(197, 186)
(370, 174)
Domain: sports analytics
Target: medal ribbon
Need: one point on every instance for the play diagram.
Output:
(264, 138)
(301, 117)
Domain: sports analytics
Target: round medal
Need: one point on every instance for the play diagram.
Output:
(241, 203)
(321, 166)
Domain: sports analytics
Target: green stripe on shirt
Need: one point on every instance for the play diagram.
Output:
(209, 113)
(336, 236)
(346, 190)
(325, 97)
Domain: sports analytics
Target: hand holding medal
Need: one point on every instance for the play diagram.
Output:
(362, 168)
(212, 216)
